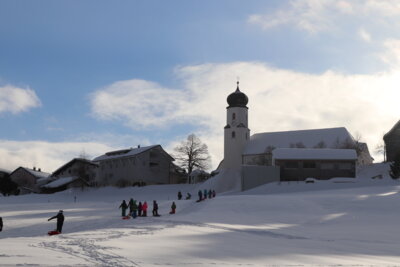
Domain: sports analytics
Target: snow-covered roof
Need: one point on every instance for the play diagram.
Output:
(124, 153)
(37, 174)
(69, 163)
(60, 182)
(260, 142)
(314, 154)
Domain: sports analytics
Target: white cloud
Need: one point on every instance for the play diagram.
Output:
(391, 55)
(16, 100)
(316, 16)
(364, 35)
(278, 100)
(312, 16)
(45, 155)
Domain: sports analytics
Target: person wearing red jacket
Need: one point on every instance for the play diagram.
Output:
(144, 209)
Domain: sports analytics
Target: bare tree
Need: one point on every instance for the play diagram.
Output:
(192, 154)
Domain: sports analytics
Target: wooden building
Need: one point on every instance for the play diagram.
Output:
(392, 142)
(297, 164)
(29, 180)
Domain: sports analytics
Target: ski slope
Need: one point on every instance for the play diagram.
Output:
(329, 223)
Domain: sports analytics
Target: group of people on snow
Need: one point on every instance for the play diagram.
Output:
(188, 195)
(140, 209)
(204, 194)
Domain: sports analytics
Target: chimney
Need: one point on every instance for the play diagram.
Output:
(39, 170)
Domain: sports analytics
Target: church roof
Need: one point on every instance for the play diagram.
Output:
(237, 98)
(331, 137)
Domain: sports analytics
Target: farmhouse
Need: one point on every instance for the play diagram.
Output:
(136, 166)
(29, 180)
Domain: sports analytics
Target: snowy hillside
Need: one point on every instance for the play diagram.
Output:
(328, 223)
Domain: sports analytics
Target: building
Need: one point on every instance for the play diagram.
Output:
(136, 166)
(4, 173)
(286, 155)
(29, 180)
(392, 142)
(198, 176)
(76, 173)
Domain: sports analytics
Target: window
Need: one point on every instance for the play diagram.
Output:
(327, 166)
(233, 116)
(309, 165)
(291, 164)
(233, 134)
(345, 166)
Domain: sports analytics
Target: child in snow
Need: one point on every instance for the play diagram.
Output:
(188, 196)
(140, 208)
(205, 194)
(60, 220)
(209, 193)
(173, 208)
(123, 206)
(213, 193)
(134, 208)
(179, 195)
(200, 195)
(144, 209)
(1, 224)
(155, 208)
(130, 205)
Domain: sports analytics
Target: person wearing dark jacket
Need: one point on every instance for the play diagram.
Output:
(123, 206)
(1, 224)
(155, 208)
(200, 195)
(173, 208)
(140, 208)
(60, 220)
(179, 195)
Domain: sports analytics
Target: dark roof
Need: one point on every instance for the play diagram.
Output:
(237, 99)
(68, 164)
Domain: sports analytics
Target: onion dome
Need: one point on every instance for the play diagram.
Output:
(237, 98)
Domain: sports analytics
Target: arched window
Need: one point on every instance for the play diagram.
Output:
(233, 116)
(233, 134)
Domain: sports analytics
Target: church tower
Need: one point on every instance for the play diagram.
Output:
(237, 132)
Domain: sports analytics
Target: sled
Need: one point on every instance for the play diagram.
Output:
(54, 232)
(126, 217)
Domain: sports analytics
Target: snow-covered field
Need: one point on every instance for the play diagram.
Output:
(329, 223)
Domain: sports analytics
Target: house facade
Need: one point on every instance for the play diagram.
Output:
(142, 165)
(29, 180)
(392, 142)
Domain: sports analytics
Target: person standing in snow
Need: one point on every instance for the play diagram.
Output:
(213, 193)
(140, 208)
(179, 195)
(144, 208)
(188, 196)
(173, 208)
(130, 205)
(60, 220)
(155, 208)
(123, 207)
(134, 208)
(205, 194)
(200, 195)
(1, 224)
(209, 193)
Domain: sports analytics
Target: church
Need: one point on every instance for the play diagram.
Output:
(253, 160)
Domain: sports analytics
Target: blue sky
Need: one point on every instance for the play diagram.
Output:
(96, 75)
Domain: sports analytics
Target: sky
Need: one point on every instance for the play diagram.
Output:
(87, 77)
